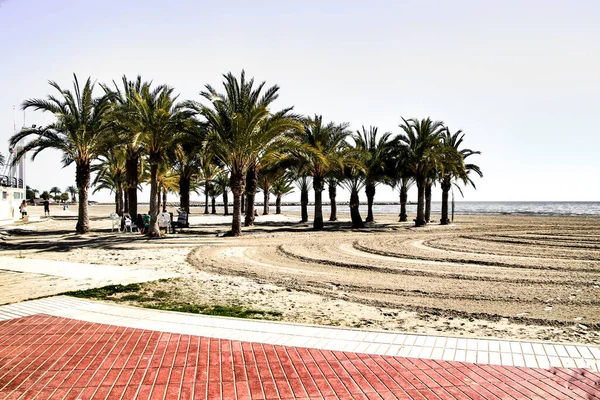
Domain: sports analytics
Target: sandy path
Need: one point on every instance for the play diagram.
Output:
(504, 276)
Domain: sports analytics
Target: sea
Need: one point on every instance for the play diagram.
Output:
(481, 207)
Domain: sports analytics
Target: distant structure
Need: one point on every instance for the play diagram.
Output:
(12, 186)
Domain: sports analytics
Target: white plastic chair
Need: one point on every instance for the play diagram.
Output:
(164, 221)
(129, 224)
(116, 222)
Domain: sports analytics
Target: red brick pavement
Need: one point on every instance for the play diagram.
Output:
(50, 357)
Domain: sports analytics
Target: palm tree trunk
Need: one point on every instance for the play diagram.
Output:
(266, 198)
(332, 203)
(225, 201)
(82, 178)
(251, 184)
(420, 220)
(445, 194)
(318, 188)
(159, 193)
(117, 201)
(238, 184)
(304, 203)
(427, 202)
(243, 199)
(278, 204)
(154, 201)
(357, 221)
(164, 200)
(403, 201)
(370, 192)
(132, 178)
(125, 200)
(184, 193)
(213, 204)
(206, 197)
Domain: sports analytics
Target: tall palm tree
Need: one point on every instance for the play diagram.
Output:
(123, 114)
(111, 175)
(72, 190)
(280, 187)
(161, 123)
(79, 132)
(377, 152)
(421, 144)
(242, 129)
(455, 168)
(321, 153)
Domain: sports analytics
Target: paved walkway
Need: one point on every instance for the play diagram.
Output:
(25, 278)
(53, 357)
(63, 347)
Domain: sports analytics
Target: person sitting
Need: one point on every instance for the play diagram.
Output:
(182, 220)
(147, 220)
(139, 222)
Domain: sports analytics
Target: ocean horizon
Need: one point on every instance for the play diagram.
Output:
(583, 208)
(481, 207)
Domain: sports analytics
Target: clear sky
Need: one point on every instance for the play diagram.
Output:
(520, 78)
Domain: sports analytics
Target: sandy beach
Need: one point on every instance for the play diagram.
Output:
(508, 276)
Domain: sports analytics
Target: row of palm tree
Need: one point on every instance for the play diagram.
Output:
(234, 141)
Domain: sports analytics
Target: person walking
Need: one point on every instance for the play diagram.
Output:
(23, 208)
(46, 204)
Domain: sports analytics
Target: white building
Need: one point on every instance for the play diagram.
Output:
(12, 189)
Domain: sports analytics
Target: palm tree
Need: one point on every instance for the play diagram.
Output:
(188, 157)
(123, 114)
(455, 168)
(55, 191)
(242, 129)
(72, 190)
(420, 144)
(333, 180)
(304, 182)
(377, 153)
(221, 181)
(321, 154)
(2, 160)
(79, 132)
(354, 181)
(208, 171)
(267, 176)
(280, 187)
(111, 175)
(160, 123)
(167, 179)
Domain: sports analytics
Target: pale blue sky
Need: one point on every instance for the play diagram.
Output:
(521, 78)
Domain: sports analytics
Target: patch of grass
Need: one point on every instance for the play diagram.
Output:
(218, 310)
(105, 292)
(160, 300)
(140, 297)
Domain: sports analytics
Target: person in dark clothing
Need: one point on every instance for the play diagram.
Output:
(46, 204)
